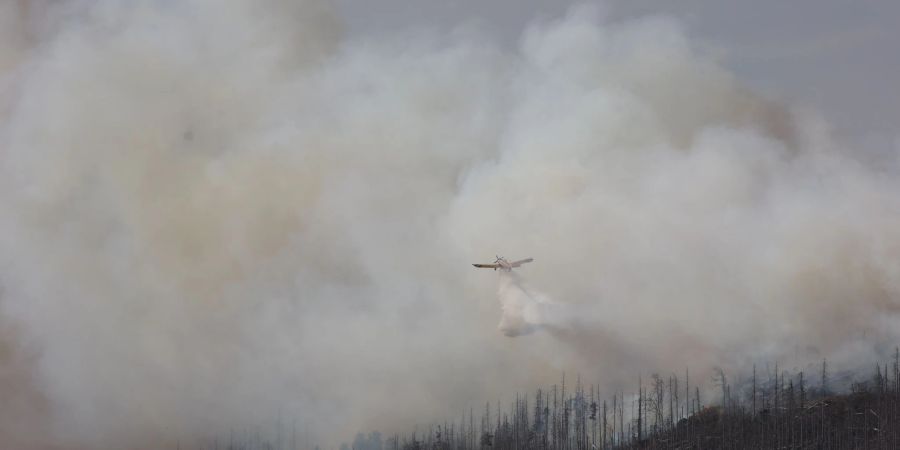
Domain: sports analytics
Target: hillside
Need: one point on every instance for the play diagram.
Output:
(783, 411)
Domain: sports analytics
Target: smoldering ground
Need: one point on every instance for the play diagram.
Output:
(223, 215)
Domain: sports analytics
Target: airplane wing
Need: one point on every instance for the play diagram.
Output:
(487, 266)
(521, 261)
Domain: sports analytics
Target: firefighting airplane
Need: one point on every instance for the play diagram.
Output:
(504, 265)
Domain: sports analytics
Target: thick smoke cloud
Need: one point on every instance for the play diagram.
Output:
(216, 216)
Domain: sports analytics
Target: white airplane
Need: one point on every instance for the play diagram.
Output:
(504, 265)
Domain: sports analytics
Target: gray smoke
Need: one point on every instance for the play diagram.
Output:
(220, 215)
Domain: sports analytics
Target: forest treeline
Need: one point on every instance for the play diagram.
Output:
(781, 410)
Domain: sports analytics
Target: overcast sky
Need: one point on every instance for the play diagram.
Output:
(837, 56)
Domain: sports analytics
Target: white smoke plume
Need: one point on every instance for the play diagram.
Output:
(221, 215)
(524, 310)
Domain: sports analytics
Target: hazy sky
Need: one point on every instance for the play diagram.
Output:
(837, 56)
(219, 214)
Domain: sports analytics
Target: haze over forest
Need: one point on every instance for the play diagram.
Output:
(221, 215)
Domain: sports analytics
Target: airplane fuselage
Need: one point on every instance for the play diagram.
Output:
(502, 264)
